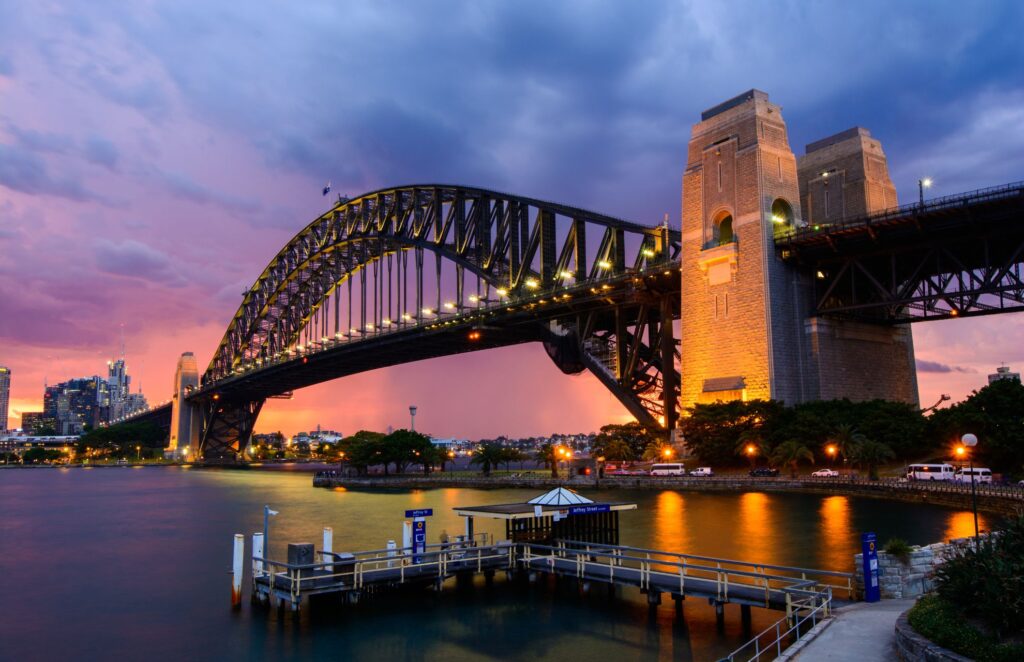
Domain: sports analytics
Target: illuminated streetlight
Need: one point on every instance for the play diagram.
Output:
(922, 184)
(667, 452)
(970, 441)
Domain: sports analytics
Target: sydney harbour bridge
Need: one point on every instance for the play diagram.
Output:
(418, 272)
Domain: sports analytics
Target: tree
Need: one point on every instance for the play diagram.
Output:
(615, 450)
(658, 452)
(712, 431)
(547, 454)
(512, 455)
(750, 445)
(846, 439)
(995, 414)
(363, 450)
(870, 453)
(634, 435)
(404, 447)
(790, 453)
(488, 456)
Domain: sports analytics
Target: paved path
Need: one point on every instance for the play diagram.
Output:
(859, 633)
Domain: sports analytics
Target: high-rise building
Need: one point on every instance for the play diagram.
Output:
(5, 395)
(1003, 372)
(77, 403)
(118, 383)
(36, 423)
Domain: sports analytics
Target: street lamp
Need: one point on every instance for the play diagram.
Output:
(138, 453)
(831, 451)
(922, 184)
(751, 451)
(970, 441)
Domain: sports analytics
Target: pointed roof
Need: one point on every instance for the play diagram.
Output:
(559, 496)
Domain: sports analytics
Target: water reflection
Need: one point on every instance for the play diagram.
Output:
(961, 525)
(669, 521)
(837, 534)
(756, 530)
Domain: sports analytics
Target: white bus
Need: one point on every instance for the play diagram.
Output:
(931, 472)
(668, 469)
(981, 475)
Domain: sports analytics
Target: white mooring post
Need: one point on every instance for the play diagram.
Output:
(406, 538)
(257, 555)
(328, 548)
(392, 552)
(236, 571)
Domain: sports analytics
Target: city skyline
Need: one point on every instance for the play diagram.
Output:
(116, 212)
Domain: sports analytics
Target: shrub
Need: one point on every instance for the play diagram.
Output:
(986, 580)
(899, 548)
(941, 622)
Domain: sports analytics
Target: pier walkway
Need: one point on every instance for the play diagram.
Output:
(654, 572)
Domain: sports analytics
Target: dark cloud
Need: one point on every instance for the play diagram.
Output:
(101, 152)
(934, 366)
(23, 170)
(182, 186)
(136, 260)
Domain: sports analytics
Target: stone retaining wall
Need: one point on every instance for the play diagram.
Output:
(912, 647)
(910, 579)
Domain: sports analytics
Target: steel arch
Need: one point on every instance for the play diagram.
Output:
(506, 241)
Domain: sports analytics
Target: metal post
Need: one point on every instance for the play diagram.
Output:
(406, 537)
(328, 548)
(267, 512)
(257, 555)
(236, 571)
(974, 502)
(392, 552)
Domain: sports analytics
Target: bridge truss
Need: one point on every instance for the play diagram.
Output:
(957, 256)
(415, 272)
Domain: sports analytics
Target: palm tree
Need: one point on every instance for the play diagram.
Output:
(658, 452)
(789, 453)
(872, 453)
(488, 456)
(749, 445)
(846, 439)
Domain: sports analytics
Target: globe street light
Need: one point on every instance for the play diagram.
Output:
(922, 184)
(970, 441)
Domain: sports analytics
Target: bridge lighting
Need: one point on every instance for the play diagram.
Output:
(502, 292)
(777, 219)
(648, 252)
(406, 316)
(428, 311)
(474, 298)
(324, 339)
(532, 283)
(369, 327)
(450, 305)
(604, 264)
(300, 348)
(386, 321)
(474, 335)
(922, 184)
(567, 274)
(824, 175)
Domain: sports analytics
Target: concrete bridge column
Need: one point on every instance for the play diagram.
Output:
(186, 418)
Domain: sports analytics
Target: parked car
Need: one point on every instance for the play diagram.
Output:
(762, 472)
(668, 469)
(981, 475)
(825, 473)
(702, 471)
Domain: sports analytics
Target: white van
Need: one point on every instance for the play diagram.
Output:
(981, 475)
(931, 472)
(668, 470)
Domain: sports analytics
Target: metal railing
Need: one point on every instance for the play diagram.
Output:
(772, 641)
(671, 570)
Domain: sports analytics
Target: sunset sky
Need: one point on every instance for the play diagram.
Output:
(154, 156)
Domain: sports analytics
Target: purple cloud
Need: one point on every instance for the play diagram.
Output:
(934, 366)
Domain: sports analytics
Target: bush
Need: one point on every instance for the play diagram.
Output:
(941, 622)
(899, 548)
(986, 580)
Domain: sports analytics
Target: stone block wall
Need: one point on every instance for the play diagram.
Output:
(911, 579)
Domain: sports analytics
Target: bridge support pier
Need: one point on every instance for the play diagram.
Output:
(720, 616)
(745, 617)
(678, 598)
(653, 598)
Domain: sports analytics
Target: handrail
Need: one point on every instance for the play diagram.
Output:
(774, 647)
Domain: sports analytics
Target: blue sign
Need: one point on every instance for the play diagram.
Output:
(591, 509)
(424, 512)
(869, 549)
(419, 540)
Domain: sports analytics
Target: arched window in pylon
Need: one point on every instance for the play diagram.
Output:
(782, 217)
(723, 233)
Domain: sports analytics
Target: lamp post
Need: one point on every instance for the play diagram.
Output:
(970, 441)
(831, 450)
(751, 451)
(922, 184)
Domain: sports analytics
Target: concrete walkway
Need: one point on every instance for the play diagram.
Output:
(862, 632)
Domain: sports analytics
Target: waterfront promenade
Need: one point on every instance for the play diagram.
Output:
(996, 499)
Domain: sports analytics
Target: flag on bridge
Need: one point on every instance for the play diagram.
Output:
(327, 189)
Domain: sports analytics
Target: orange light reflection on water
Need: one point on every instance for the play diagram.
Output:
(961, 524)
(837, 533)
(670, 521)
(756, 528)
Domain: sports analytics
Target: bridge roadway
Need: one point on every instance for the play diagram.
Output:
(654, 572)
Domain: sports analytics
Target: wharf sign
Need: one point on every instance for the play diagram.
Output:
(419, 532)
(869, 548)
(589, 509)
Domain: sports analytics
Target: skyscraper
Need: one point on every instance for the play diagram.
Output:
(5, 395)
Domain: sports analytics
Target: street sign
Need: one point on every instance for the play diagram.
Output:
(590, 509)
(869, 549)
(423, 512)
(419, 540)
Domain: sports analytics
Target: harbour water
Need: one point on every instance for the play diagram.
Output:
(132, 564)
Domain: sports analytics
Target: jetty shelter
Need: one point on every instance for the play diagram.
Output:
(561, 514)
